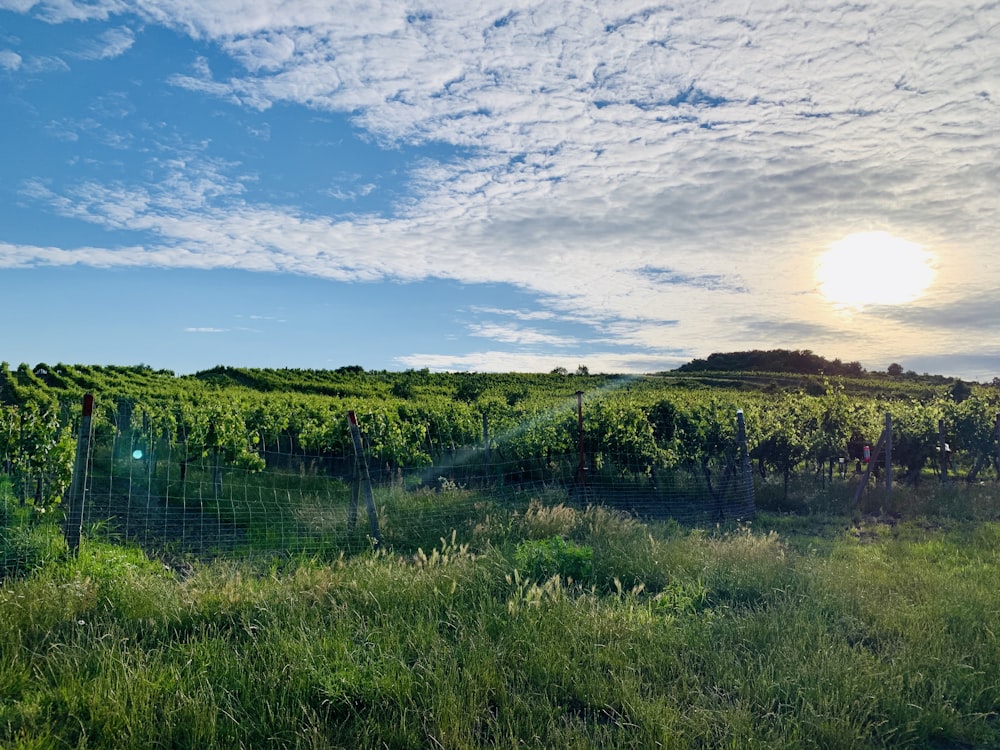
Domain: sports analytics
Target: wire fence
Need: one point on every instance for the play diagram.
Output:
(130, 486)
(317, 504)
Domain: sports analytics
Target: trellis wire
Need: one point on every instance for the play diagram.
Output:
(301, 503)
(147, 491)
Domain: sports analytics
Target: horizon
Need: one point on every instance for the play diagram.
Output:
(582, 370)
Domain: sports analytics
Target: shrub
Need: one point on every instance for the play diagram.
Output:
(543, 558)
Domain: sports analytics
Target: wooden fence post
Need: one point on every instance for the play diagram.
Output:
(745, 470)
(579, 433)
(363, 478)
(942, 452)
(581, 470)
(486, 446)
(352, 509)
(73, 529)
(888, 453)
(885, 437)
(996, 434)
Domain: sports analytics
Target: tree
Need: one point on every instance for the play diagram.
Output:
(960, 391)
(894, 370)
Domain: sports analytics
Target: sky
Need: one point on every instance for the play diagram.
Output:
(499, 186)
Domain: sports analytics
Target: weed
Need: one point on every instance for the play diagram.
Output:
(541, 559)
(542, 521)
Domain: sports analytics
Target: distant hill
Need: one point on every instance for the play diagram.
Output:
(802, 362)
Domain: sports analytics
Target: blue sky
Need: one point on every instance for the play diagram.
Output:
(495, 186)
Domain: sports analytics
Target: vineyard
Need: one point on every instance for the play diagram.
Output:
(229, 559)
(261, 461)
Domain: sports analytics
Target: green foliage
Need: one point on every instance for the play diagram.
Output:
(29, 540)
(680, 597)
(540, 559)
(37, 446)
(775, 360)
(652, 434)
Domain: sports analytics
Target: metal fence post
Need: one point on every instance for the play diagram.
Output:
(73, 529)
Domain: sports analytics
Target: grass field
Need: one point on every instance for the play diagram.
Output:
(548, 627)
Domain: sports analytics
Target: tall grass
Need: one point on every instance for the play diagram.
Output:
(786, 634)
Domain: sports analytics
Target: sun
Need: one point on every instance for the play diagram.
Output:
(873, 268)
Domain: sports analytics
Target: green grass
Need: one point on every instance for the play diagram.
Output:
(795, 632)
(29, 540)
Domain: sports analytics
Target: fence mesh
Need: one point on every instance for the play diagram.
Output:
(155, 491)
(310, 503)
(151, 492)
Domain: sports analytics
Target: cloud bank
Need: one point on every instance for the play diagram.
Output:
(666, 174)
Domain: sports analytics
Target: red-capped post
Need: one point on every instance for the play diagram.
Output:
(78, 485)
(884, 441)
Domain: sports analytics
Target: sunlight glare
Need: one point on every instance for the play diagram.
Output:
(873, 268)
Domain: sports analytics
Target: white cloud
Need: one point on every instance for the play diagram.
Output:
(43, 64)
(110, 44)
(510, 334)
(729, 143)
(349, 187)
(9, 60)
(29, 256)
(264, 52)
(60, 11)
(18, 6)
(207, 329)
(518, 314)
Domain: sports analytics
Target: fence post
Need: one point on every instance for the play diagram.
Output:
(942, 453)
(352, 509)
(996, 434)
(872, 458)
(888, 453)
(361, 473)
(73, 529)
(749, 505)
(486, 446)
(581, 471)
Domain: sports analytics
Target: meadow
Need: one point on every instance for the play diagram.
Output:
(540, 625)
